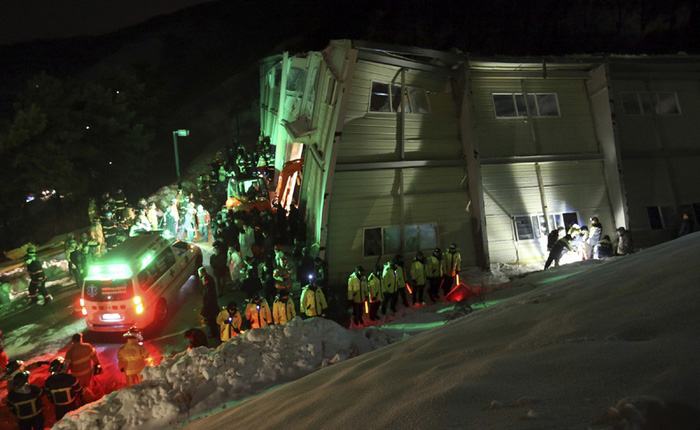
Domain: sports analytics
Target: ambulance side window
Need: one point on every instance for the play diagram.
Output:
(145, 278)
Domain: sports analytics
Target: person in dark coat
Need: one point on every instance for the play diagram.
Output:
(603, 249)
(196, 337)
(561, 247)
(553, 236)
(217, 261)
(24, 401)
(61, 388)
(686, 225)
(624, 244)
(210, 305)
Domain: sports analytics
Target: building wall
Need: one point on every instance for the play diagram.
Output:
(372, 197)
(571, 132)
(513, 190)
(660, 153)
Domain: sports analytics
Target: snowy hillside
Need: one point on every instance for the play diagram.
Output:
(558, 355)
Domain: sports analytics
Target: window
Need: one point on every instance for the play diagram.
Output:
(529, 227)
(667, 104)
(655, 221)
(664, 103)
(387, 240)
(517, 105)
(296, 79)
(416, 99)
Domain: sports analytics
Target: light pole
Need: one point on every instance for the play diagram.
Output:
(177, 133)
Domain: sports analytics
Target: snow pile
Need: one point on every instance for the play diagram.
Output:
(200, 380)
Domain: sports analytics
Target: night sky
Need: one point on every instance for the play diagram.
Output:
(26, 20)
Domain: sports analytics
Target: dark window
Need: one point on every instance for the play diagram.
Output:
(296, 79)
(372, 242)
(379, 102)
(654, 215)
(670, 217)
(523, 227)
(503, 103)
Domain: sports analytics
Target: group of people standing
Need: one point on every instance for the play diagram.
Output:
(586, 242)
(383, 287)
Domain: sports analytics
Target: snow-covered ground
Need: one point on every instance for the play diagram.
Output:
(586, 345)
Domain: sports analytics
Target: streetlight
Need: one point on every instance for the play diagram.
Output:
(177, 133)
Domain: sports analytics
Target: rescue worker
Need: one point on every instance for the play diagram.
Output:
(357, 293)
(283, 280)
(152, 215)
(257, 312)
(389, 287)
(603, 249)
(210, 305)
(92, 209)
(433, 271)
(418, 277)
(24, 401)
(561, 247)
(13, 368)
(62, 389)
(313, 301)
(374, 294)
(78, 262)
(119, 205)
(132, 356)
(283, 308)
(452, 264)
(37, 277)
(79, 360)
(203, 220)
(553, 236)
(196, 337)
(594, 234)
(279, 255)
(230, 322)
(97, 236)
(624, 244)
(109, 230)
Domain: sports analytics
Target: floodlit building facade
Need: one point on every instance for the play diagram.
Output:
(408, 149)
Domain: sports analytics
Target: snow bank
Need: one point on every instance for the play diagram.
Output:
(202, 380)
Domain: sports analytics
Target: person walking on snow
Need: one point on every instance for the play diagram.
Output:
(132, 356)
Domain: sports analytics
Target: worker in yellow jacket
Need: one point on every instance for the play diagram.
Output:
(374, 294)
(418, 277)
(132, 356)
(230, 322)
(357, 293)
(82, 361)
(451, 265)
(283, 308)
(313, 301)
(433, 273)
(257, 312)
(389, 288)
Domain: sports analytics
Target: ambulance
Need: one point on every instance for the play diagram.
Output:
(137, 282)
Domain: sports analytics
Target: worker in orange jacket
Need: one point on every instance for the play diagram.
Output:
(132, 356)
(257, 312)
(82, 361)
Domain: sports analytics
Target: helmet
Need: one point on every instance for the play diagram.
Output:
(109, 214)
(256, 297)
(57, 365)
(419, 255)
(232, 306)
(14, 366)
(594, 218)
(134, 333)
(436, 251)
(21, 378)
(453, 245)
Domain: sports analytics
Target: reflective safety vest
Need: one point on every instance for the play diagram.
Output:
(418, 272)
(80, 357)
(357, 288)
(389, 280)
(433, 267)
(283, 312)
(228, 328)
(258, 314)
(451, 263)
(62, 388)
(375, 288)
(132, 357)
(24, 402)
(313, 303)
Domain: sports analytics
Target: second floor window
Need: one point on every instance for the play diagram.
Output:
(516, 105)
(644, 103)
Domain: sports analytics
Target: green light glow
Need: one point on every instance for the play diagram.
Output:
(110, 271)
(558, 278)
(147, 259)
(414, 327)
